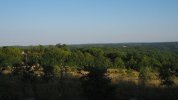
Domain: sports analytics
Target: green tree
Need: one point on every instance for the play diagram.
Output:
(165, 74)
(145, 62)
(97, 86)
(145, 75)
(118, 63)
(56, 58)
(102, 61)
(131, 63)
(96, 52)
(10, 56)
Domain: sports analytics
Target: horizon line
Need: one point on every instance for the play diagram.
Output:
(91, 43)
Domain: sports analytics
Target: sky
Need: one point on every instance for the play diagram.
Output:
(34, 22)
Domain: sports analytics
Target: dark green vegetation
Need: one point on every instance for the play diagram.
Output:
(97, 86)
(79, 72)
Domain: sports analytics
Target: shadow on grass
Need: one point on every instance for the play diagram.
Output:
(128, 90)
(11, 88)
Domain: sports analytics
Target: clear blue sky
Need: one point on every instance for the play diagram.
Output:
(33, 22)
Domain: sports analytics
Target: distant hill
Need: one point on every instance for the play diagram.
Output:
(156, 45)
(173, 46)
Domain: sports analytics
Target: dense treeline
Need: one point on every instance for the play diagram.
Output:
(60, 55)
(42, 67)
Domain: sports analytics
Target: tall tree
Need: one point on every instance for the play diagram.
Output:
(56, 58)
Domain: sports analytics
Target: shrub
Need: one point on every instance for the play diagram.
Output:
(166, 74)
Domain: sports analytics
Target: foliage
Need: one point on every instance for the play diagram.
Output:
(145, 75)
(10, 56)
(61, 55)
(37, 71)
(166, 73)
(97, 86)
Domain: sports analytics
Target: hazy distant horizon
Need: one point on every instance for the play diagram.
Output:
(45, 22)
(92, 43)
